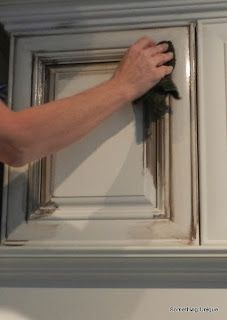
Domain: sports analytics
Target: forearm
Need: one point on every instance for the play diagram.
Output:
(38, 131)
(41, 130)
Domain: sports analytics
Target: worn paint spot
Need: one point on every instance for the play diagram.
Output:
(157, 230)
(44, 211)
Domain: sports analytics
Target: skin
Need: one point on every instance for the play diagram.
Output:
(35, 132)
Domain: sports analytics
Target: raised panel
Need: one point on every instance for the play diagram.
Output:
(108, 166)
(108, 161)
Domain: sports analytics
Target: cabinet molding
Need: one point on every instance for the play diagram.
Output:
(27, 17)
(161, 269)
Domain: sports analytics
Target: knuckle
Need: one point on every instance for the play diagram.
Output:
(160, 48)
(144, 38)
(144, 54)
(161, 58)
(152, 65)
(155, 50)
(133, 48)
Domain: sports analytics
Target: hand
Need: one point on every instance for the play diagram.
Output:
(142, 67)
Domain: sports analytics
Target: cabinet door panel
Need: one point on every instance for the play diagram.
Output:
(142, 192)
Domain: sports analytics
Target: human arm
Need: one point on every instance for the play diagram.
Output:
(41, 130)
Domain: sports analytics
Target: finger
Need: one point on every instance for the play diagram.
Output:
(161, 58)
(160, 48)
(144, 42)
(164, 70)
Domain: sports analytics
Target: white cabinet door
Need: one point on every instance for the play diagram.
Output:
(111, 188)
(212, 131)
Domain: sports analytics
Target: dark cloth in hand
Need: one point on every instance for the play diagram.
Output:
(154, 101)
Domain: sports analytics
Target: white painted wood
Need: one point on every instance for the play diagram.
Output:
(118, 233)
(136, 232)
(52, 267)
(108, 162)
(56, 16)
(79, 170)
(212, 131)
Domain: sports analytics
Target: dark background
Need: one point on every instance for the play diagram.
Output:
(4, 69)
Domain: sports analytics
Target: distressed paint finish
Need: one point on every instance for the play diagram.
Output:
(174, 218)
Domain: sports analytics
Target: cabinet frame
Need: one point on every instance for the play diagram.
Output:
(212, 130)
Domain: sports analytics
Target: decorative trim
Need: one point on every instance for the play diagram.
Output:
(172, 269)
(29, 17)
